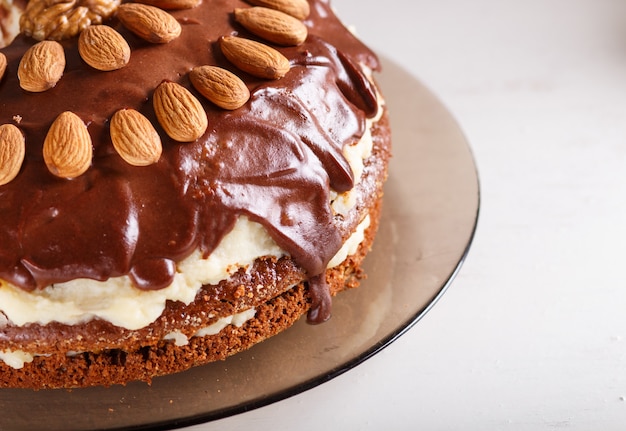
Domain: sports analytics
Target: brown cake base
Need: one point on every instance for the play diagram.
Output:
(113, 355)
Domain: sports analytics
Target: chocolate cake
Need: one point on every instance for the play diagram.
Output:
(179, 180)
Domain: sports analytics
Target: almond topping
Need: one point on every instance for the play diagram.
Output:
(171, 4)
(297, 8)
(12, 150)
(220, 86)
(254, 57)
(134, 138)
(3, 64)
(103, 48)
(149, 23)
(41, 66)
(67, 149)
(180, 114)
(272, 25)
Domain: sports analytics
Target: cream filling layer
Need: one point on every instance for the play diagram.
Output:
(236, 320)
(16, 358)
(119, 302)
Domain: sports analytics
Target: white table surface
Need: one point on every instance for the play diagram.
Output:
(532, 333)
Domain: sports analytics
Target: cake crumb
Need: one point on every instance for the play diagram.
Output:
(241, 290)
(17, 119)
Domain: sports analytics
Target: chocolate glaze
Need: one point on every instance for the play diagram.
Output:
(274, 160)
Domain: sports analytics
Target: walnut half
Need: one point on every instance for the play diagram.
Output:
(63, 19)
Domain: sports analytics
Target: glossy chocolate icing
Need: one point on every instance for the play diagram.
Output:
(273, 160)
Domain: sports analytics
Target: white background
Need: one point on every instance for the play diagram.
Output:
(532, 333)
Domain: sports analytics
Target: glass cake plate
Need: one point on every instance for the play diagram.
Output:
(428, 222)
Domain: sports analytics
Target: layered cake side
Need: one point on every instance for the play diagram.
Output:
(184, 190)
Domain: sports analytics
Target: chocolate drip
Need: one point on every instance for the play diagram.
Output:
(274, 160)
(321, 301)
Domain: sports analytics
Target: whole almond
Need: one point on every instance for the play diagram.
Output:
(134, 138)
(254, 57)
(272, 25)
(220, 86)
(3, 64)
(148, 22)
(297, 8)
(41, 66)
(179, 112)
(171, 4)
(12, 151)
(67, 149)
(103, 48)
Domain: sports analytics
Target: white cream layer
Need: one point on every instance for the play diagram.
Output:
(16, 359)
(236, 320)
